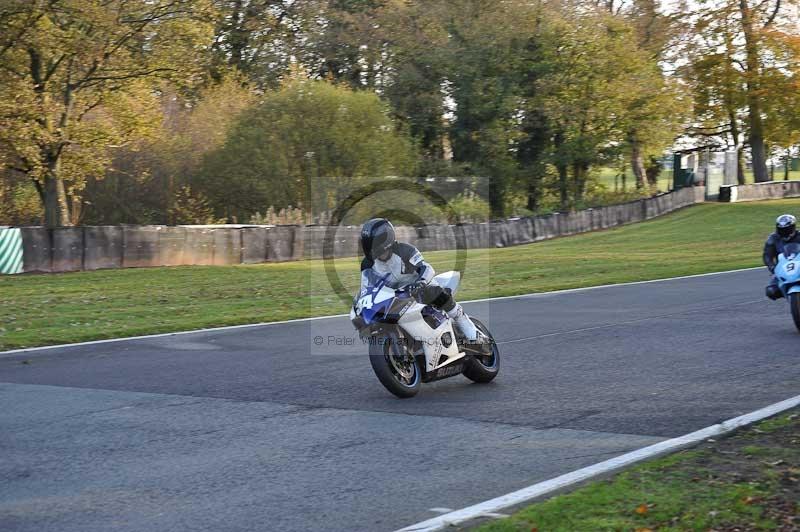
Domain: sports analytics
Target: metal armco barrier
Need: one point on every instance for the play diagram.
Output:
(91, 248)
(10, 251)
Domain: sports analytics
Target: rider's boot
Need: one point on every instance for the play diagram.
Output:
(463, 323)
(773, 292)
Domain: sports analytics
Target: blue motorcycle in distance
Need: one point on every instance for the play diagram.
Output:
(787, 272)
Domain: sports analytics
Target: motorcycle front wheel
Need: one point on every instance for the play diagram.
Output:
(794, 303)
(395, 366)
(483, 368)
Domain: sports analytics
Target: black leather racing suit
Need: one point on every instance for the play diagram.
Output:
(406, 266)
(772, 248)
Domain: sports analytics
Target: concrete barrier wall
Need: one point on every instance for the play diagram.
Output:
(37, 249)
(91, 248)
(759, 191)
(102, 247)
(67, 250)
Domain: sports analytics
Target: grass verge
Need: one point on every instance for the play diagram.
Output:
(747, 481)
(72, 307)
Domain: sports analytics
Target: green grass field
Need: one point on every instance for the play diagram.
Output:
(748, 481)
(606, 177)
(610, 177)
(72, 307)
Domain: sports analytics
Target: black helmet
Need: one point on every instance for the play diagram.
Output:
(377, 237)
(786, 226)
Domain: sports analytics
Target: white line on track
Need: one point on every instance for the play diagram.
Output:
(12, 352)
(491, 507)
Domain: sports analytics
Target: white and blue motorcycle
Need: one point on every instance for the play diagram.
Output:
(411, 343)
(787, 273)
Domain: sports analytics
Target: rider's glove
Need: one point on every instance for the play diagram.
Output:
(413, 288)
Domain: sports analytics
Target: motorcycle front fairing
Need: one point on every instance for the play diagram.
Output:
(378, 303)
(787, 271)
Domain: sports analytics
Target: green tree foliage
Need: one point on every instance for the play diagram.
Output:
(600, 91)
(19, 202)
(77, 80)
(309, 144)
(487, 52)
(469, 76)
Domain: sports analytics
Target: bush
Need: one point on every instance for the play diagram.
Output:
(19, 204)
(308, 144)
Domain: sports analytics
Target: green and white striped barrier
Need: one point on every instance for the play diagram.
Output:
(10, 251)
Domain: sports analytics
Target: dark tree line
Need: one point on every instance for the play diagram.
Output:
(155, 111)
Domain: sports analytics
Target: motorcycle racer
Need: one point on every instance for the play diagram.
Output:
(785, 233)
(408, 270)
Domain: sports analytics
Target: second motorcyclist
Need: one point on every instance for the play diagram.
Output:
(785, 233)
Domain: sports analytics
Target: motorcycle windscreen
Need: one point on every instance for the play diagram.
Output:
(791, 251)
(378, 302)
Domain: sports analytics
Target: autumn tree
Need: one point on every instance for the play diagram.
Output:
(742, 28)
(149, 180)
(738, 73)
(79, 79)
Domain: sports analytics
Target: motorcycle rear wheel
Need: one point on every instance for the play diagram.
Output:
(483, 369)
(395, 366)
(794, 303)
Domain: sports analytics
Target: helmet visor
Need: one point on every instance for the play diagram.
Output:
(376, 245)
(787, 231)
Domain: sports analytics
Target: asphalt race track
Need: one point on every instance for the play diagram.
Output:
(262, 429)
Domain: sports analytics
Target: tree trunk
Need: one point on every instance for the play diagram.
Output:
(756, 136)
(737, 146)
(786, 164)
(652, 171)
(624, 178)
(732, 107)
(561, 168)
(563, 189)
(496, 199)
(533, 195)
(579, 172)
(637, 160)
(56, 208)
(740, 165)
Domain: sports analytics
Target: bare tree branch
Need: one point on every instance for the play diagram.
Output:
(771, 18)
